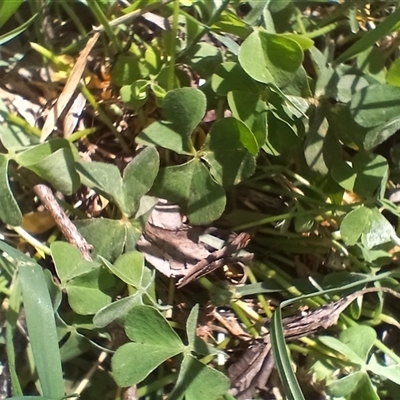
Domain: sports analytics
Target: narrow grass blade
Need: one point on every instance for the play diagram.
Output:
(370, 38)
(42, 329)
(12, 317)
(288, 378)
(15, 32)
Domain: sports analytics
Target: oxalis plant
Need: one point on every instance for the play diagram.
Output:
(229, 97)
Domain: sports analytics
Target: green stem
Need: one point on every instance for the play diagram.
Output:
(389, 352)
(156, 385)
(272, 271)
(261, 298)
(26, 127)
(80, 134)
(205, 29)
(103, 116)
(132, 15)
(243, 317)
(299, 19)
(98, 12)
(173, 45)
(325, 29)
(76, 20)
(40, 247)
(275, 218)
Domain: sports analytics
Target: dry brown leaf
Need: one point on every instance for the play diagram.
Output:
(37, 222)
(69, 89)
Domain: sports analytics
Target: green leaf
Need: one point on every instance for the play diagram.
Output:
(129, 267)
(365, 390)
(103, 178)
(135, 183)
(126, 70)
(198, 382)
(229, 149)
(372, 63)
(155, 342)
(86, 292)
(10, 212)
(146, 324)
(191, 186)
(191, 325)
(393, 74)
(351, 337)
(153, 60)
(375, 105)
(344, 175)
(116, 310)
(381, 133)
(7, 9)
(380, 230)
(321, 148)
(127, 371)
(342, 348)
(270, 58)
(73, 343)
(304, 42)
(346, 385)
(354, 224)
(165, 134)
(364, 177)
(281, 138)
(204, 58)
(42, 332)
(53, 161)
(184, 108)
(391, 372)
(251, 110)
(348, 85)
(124, 236)
(135, 95)
(20, 258)
(299, 85)
(230, 76)
(230, 22)
(69, 262)
(342, 124)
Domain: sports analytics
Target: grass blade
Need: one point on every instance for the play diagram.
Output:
(42, 329)
(370, 38)
(286, 374)
(12, 317)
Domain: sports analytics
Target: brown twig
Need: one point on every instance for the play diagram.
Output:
(65, 225)
(216, 259)
(254, 368)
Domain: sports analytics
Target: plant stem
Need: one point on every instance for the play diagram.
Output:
(173, 45)
(75, 18)
(206, 28)
(260, 297)
(243, 317)
(40, 247)
(98, 12)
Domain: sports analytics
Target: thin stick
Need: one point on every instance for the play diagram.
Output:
(65, 225)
